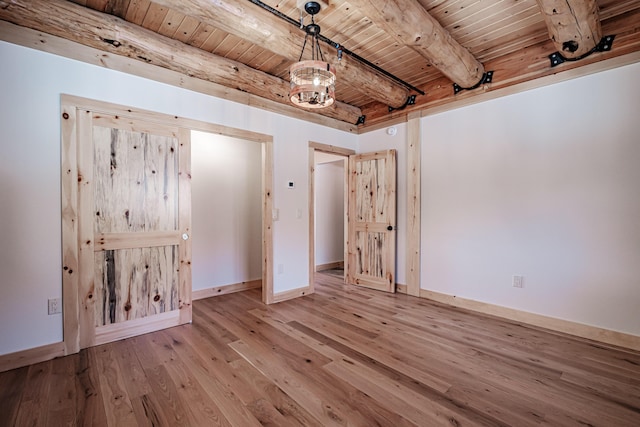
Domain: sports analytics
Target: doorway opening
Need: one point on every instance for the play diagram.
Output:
(328, 210)
(226, 187)
(330, 190)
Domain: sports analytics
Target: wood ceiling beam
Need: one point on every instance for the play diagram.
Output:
(410, 24)
(519, 71)
(250, 22)
(109, 33)
(574, 25)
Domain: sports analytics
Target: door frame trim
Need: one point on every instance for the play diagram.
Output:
(330, 149)
(71, 107)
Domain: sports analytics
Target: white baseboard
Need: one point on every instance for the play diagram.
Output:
(225, 289)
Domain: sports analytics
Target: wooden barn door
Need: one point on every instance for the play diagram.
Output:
(372, 220)
(134, 227)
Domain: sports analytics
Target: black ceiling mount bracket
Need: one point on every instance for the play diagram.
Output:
(411, 99)
(486, 78)
(360, 120)
(312, 29)
(312, 7)
(605, 44)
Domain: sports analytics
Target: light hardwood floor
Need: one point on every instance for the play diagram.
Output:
(343, 356)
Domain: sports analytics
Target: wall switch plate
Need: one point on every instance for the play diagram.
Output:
(518, 281)
(55, 306)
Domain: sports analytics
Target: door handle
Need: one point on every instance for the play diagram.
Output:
(185, 236)
(390, 228)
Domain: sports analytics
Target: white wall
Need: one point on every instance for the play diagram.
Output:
(544, 184)
(226, 200)
(30, 254)
(329, 206)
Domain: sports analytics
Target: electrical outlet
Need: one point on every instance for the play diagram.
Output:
(55, 306)
(518, 281)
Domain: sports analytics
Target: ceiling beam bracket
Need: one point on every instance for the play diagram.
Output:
(360, 120)
(486, 78)
(411, 99)
(605, 44)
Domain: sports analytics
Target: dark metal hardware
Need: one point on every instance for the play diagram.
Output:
(411, 99)
(604, 46)
(486, 78)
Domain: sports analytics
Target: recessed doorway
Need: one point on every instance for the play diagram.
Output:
(226, 186)
(328, 209)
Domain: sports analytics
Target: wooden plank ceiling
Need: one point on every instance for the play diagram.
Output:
(509, 37)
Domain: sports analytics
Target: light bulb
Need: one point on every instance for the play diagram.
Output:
(316, 80)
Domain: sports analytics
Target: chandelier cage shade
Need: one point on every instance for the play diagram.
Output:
(312, 81)
(313, 84)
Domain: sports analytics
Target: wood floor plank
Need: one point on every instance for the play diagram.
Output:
(207, 398)
(393, 394)
(148, 411)
(620, 391)
(384, 366)
(329, 405)
(206, 362)
(115, 399)
(137, 383)
(267, 414)
(289, 382)
(444, 356)
(282, 324)
(533, 358)
(35, 398)
(292, 414)
(90, 410)
(170, 405)
(63, 392)
(354, 346)
(304, 361)
(12, 383)
(271, 336)
(219, 336)
(342, 356)
(195, 400)
(514, 410)
(165, 393)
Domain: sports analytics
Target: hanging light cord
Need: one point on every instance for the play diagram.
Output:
(315, 46)
(303, 46)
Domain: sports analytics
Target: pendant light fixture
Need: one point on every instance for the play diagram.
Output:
(313, 81)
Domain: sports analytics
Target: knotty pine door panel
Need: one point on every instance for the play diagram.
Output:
(134, 220)
(372, 220)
